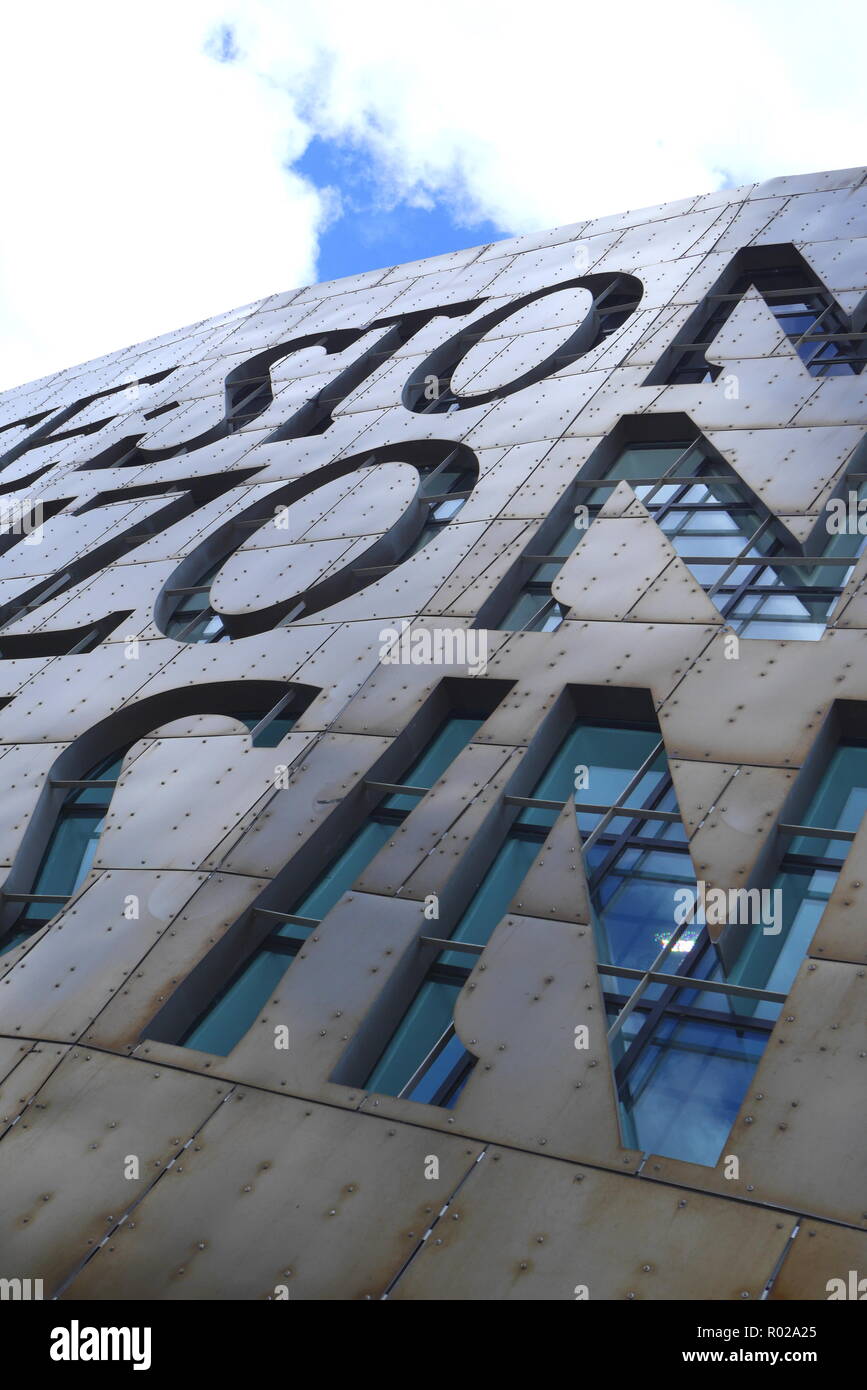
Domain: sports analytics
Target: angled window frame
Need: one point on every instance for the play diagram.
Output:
(379, 797)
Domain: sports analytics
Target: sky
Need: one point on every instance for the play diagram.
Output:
(166, 162)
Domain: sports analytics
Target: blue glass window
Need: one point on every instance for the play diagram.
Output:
(70, 850)
(808, 872)
(759, 577)
(232, 1013)
(804, 310)
(611, 755)
(193, 619)
(685, 1055)
(684, 1092)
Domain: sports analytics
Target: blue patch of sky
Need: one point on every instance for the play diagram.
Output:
(221, 44)
(369, 225)
(369, 228)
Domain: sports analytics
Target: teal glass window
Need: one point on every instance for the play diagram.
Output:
(445, 490)
(685, 1054)
(763, 581)
(805, 312)
(231, 1014)
(809, 870)
(427, 1019)
(273, 732)
(70, 850)
(760, 578)
(193, 619)
(685, 1057)
(609, 755)
(535, 609)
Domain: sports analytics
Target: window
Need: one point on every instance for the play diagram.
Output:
(763, 582)
(535, 609)
(70, 851)
(810, 866)
(193, 619)
(272, 710)
(758, 576)
(685, 1055)
(231, 1014)
(425, 1060)
(444, 489)
(447, 475)
(804, 309)
(682, 1057)
(687, 1029)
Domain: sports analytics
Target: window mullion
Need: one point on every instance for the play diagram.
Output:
(427, 1062)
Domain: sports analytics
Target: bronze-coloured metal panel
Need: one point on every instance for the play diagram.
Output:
(820, 1264)
(575, 1233)
(100, 1130)
(282, 1198)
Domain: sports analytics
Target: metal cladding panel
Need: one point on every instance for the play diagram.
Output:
(780, 464)
(190, 913)
(821, 1262)
(489, 561)
(324, 483)
(846, 407)
(23, 769)
(314, 785)
(125, 923)
(375, 936)
(674, 597)
(218, 782)
(11, 1053)
(129, 590)
(280, 1195)
(556, 883)
(698, 787)
(396, 595)
(766, 707)
(26, 1068)
(527, 1227)
(725, 847)
(52, 706)
(540, 975)
(64, 1166)
(587, 587)
(852, 609)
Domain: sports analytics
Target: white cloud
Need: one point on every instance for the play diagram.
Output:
(545, 112)
(143, 182)
(147, 185)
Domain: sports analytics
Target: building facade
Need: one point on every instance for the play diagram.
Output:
(434, 734)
